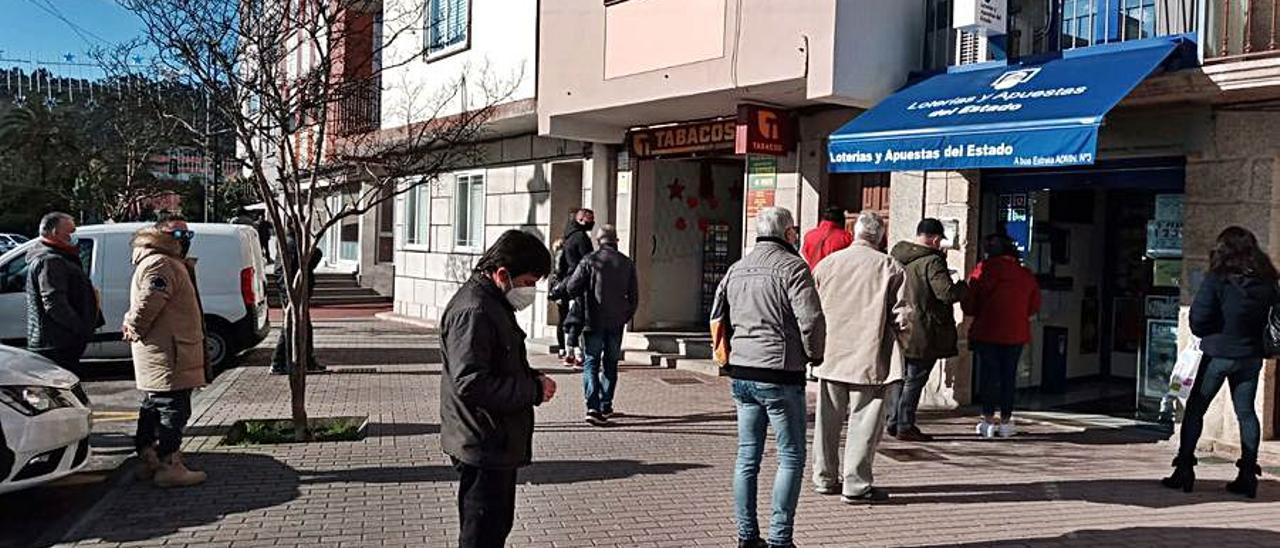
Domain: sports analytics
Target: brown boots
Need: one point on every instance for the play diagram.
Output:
(171, 472)
(148, 463)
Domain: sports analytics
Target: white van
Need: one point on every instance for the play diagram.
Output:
(229, 270)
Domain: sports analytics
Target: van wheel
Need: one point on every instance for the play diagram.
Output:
(218, 348)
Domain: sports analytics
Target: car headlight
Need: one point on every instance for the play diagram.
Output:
(34, 400)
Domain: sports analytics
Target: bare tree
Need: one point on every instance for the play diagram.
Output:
(299, 83)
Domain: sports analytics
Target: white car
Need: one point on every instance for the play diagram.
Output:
(230, 272)
(44, 421)
(10, 241)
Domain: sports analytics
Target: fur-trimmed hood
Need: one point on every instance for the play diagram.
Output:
(150, 241)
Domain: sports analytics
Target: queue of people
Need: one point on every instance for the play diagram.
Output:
(871, 326)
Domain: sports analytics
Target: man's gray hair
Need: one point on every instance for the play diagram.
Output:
(50, 222)
(869, 228)
(773, 222)
(607, 234)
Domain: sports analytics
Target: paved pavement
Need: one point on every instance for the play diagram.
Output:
(660, 477)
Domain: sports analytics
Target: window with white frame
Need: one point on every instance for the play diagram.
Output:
(447, 25)
(468, 212)
(417, 206)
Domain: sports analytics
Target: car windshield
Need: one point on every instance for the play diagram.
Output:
(19, 238)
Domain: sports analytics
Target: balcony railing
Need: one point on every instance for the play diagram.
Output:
(359, 107)
(1241, 29)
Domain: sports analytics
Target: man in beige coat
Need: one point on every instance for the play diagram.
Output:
(166, 328)
(865, 302)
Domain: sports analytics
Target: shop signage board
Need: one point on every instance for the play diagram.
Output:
(1037, 112)
(1015, 214)
(764, 130)
(986, 17)
(683, 139)
(762, 183)
(1164, 239)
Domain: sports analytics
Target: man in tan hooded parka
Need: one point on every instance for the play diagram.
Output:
(166, 328)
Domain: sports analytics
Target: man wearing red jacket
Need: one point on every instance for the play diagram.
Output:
(829, 237)
(1002, 297)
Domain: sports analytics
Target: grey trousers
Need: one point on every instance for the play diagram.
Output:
(865, 406)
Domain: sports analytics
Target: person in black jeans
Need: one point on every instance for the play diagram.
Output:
(1229, 314)
(487, 388)
(280, 360)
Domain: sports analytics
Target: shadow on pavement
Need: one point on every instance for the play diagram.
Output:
(238, 482)
(377, 356)
(1127, 435)
(1125, 492)
(1145, 536)
(554, 472)
(386, 430)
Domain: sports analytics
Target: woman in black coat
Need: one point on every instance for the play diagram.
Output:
(1229, 315)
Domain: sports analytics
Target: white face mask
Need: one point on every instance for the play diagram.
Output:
(522, 297)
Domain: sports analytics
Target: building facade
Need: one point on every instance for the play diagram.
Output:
(1120, 242)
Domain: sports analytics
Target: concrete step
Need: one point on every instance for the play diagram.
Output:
(542, 345)
(318, 300)
(696, 347)
(695, 365)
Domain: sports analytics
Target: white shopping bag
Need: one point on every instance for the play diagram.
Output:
(1183, 378)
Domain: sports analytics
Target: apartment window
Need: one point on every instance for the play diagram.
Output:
(417, 206)
(1079, 18)
(939, 38)
(448, 23)
(468, 212)
(1137, 19)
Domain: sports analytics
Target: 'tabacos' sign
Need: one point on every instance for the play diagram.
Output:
(992, 116)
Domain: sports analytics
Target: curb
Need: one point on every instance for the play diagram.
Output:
(400, 318)
(201, 402)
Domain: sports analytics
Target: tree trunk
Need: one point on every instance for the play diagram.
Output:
(299, 318)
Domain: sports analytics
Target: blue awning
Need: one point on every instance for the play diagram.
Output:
(1040, 112)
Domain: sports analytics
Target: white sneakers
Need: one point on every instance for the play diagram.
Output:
(986, 429)
(1007, 429)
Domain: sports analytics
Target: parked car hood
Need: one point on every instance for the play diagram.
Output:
(21, 368)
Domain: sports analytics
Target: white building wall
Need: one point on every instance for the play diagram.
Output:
(497, 62)
(518, 190)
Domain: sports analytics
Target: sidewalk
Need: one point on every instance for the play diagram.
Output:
(660, 477)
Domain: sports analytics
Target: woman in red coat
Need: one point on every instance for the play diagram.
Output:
(1002, 297)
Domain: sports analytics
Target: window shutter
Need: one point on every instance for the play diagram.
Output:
(459, 17)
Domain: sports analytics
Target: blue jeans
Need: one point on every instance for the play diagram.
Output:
(761, 404)
(1242, 375)
(998, 371)
(600, 368)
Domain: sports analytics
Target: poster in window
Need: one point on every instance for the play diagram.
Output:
(1159, 355)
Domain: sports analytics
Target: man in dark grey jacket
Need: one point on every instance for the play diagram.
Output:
(770, 307)
(605, 281)
(62, 306)
(487, 389)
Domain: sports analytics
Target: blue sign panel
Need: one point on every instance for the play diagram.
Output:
(1034, 113)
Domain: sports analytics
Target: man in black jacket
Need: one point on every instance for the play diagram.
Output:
(487, 389)
(606, 281)
(62, 306)
(575, 247)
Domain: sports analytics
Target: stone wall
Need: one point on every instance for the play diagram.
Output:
(1231, 180)
(945, 195)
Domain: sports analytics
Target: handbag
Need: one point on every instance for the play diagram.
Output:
(1271, 336)
(1183, 378)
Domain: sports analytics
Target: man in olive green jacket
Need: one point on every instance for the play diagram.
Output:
(932, 335)
(166, 328)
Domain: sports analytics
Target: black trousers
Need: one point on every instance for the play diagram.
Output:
(280, 360)
(486, 505)
(66, 358)
(162, 417)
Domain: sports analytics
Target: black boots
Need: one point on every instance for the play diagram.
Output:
(1184, 475)
(1246, 482)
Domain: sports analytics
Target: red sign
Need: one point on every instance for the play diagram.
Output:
(764, 130)
(683, 139)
